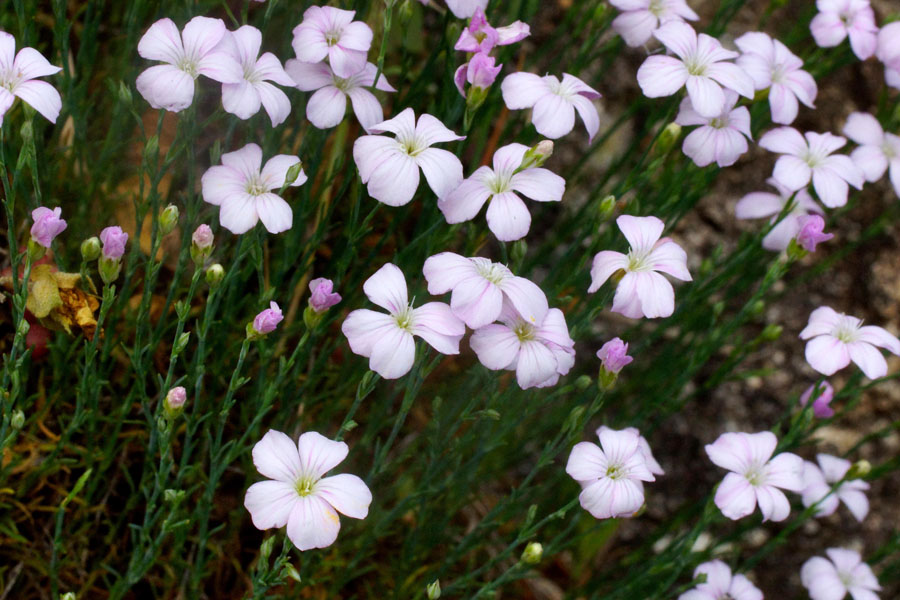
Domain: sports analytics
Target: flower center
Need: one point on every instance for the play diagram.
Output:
(845, 334)
(499, 184)
(615, 471)
(778, 73)
(412, 146)
(250, 74)
(695, 66)
(888, 151)
(189, 66)
(493, 272)
(719, 123)
(332, 37)
(637, 261)
(524, 331)
(756, 475)
(656, 8)
(404, 319)
(255, 186)
(305, 486)
(10, 79)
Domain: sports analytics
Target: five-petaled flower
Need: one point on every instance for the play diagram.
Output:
(838, 19)
(721, 584)
(835, 339)
(390, 167)
(817, 484)
(18, 77)
(195, 51)
(719, 139)
(243, 191)
(756, 475)
(331, 32)
(47, 225)
(843, 572)
(610, 474)
(554, 102)
(642, 291)
(297, 495)
(507, 216)
(387, 339)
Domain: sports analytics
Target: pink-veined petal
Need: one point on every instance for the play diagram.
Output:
(276, 457)
(394, 354)
(539, 184)
(274, 212)
(364, 327)
(706, 95)
(586, 462)
(395, 180)
(240, 99)
(477, 302)
(309, 77)
(162, 42)
(588, 113)
(870, 360)
(443, 170)
(276, 102)
(827, 354)
(387, 288)
(642, 233)
(166, 87)
(435, 323)
(312, 523)
(792, 172)
(496, 346)
(522, 90)
(656, 294)
(366, 107)
(526, 297)
(669, 257)
(661, 76)
(735, 497)
(508, 217)
(446, 270)
(42, 97)
(326, 108)
(773, 504)
(270, 503)
(536, 364)
(347, 494)
(604, 265)
(238, 213)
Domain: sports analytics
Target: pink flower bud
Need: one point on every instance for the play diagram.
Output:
(114, 240)
(176, 398)
(821, 408)
(266, 321)
(811, 228)
(482, 70)
(322, 297)
(202, 237)
(47, 225)
(613, 355)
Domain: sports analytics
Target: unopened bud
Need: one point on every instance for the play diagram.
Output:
(109, 269)
(90, 249)
(171, 496)
(23, 328)
(860, 468)
(293, 173)
(537, 155)
(518, 252)
(168, 219)
(175, 399)
(201, 244)
(17, 420)
(771, 332)
(181, 343)
(291, 571)
(606, 207)
(433, 590)
(151, 148)
(583, 382)
(214, 275)
(124, 93)
(532, 553)
(668, 137)
(265, 549)
(27, 129)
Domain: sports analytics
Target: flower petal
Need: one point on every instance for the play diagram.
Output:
(326, 108)
(586, 462)
(166, 87)
(508, 217)
(276, 457)
(363, 328)
(274, 212)
(394, 354)
(553, 116)
(463, 203)
(539, 184)
(270, 503)
(42, 97)
(496, 346)
(387, 288)
(661, 76)
(522, 90)
(312, 524)
(162, 42)
(827, 354)
(348, 494)
(735, 497)
(435, 323)
(443, 170)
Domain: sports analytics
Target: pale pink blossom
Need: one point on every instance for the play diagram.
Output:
(613, 355)
(390, 167)
(721, 139)
(539, 352)
(642, 291)
(202, 237)
(463, 9)
(507, 216)
(756, 475)
(835, 339)
(720, 584)
(817, 484)
(479, 36)
(888, 49)
(267, 321)
(811, 232)
(195, 51)
(297, 495)
(387, 339)
(326, 108)
(811, 158)
(610, 474)
(479, 287)
(114, 240)
(757, 205)
(322, 297)
(842, 573)
(640, 18)
(701, 67)
(838, 19)
(19, 72)
(47, 225)
(481, 72)
(328, 32)
(772, 66)
(554, 102)
(644, 446)
(243, 191)
(245, 97)
(175, 398)
(878, 151)
(821, 408)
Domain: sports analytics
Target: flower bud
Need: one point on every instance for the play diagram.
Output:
(36, 251)
(613, 355)
(68, 596)
(291, 571)
(171, 496)
(583, 382)
(322, 296)
(114, 240)
(532, 553)
(822, 400)
(47, 225)
(265, 322)
(771, 332)
(668, 137)
(433, 590)
(265, 549)
(811, 232)
(124, 93)
(294, 172)
(518, 252)
(482, 70)
(17, 420)
(201, 244)
(606, 207)
(90, 249)
(168, 219)
(214, 275)
(151, 148)
(537, 155)
(860, 468)
(175, 400)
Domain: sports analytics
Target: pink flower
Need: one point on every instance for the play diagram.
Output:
(463, 9)
(755, 476)
(387, 339)
(266, 321)
(114, 240)
(839, 18)
(613, 355)
(331, 32)
(539, 352)
(297, 495)
(244, 98)
(888, 49)
(812, 158)
(720, 584)
(175, 398)
(18, 77)
(479, 36)
(640, 18)
(720, 139)
(321, 296)
(507, 216)
(810, 234)
(610, 474)
(187, 55)
(480, 72)
(390, 167)
(642, 291)
(244, 192)
(817, 484)
(877, 150)
(821, 408)
(771, 65)
(757, 205)
(554, 102)
(47, 225)
(843, 573)
(202, 236)
(835, 339)
(701, 69)
(479, 288)
(326, 108)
